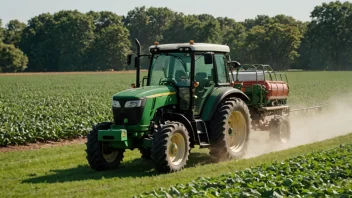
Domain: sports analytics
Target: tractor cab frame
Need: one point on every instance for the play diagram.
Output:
(194, 69)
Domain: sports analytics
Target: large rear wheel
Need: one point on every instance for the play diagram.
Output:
(99, 155)
(171, 147)
(229, 130)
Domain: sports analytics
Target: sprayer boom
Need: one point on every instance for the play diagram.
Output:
(305, 111)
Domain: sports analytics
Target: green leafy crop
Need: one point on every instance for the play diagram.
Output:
(314, 175)
(53, 107)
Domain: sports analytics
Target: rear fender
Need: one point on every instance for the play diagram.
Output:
(216, 97)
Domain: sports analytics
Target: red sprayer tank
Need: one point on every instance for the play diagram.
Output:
(277, 88)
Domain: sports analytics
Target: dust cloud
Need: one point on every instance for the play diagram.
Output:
(334, 120)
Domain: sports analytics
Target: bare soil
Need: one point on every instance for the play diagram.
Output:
(39, 145)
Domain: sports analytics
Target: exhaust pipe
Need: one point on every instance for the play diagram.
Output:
(137, 63)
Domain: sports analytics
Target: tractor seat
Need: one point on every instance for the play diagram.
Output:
(202, 79)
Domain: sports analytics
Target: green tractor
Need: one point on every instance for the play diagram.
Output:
(190, 97)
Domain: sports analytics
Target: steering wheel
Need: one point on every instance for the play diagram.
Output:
(167, 80)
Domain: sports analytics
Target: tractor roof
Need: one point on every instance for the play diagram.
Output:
(204, 47)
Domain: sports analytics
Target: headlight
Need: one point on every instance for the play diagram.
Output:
(133, 103)
(115, 103)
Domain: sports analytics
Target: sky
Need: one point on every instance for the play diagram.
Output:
(239, 10)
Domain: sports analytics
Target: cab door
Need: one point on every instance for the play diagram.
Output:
(204, 75)
(223, 78)
(208, 76)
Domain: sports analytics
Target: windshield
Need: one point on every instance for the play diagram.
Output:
(170, 67)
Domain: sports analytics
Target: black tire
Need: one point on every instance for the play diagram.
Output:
(162, 147)
(280, 130)
(97, 151)
(146, 153)
(221, 132)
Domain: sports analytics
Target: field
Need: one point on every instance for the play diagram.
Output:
(50, 107)
(63, 171)
(316, 174)
(53, 107)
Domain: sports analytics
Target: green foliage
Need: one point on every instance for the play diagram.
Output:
(259, 20)
(13, 32)
(12, 59)
(328, 40)
(72, 35)
(62, 171)
(53, 107)
(148, 24)
(200, 28)
(317, 174)
(275, 44)
(104, 19)
(110, 48)
(271, 40)
(233, 34)
(38, 44)
(73, 41)
(1, 31)
(319, 88)
(111, 44)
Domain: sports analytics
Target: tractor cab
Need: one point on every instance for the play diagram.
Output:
(195, 69)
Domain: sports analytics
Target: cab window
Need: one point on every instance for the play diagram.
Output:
(221, 68)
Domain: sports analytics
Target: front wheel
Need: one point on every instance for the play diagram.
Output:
(280, 130)
(229, 130)
(99, 155)
(170, 149)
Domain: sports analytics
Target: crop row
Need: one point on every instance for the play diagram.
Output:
(42, 108)
(53, 107)
(314, 175)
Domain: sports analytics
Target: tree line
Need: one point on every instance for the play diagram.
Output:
(73, 41)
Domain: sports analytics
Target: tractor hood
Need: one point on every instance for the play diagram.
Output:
(145, 92)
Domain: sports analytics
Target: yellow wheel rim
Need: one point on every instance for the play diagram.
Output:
(236, 132)
(176, 149)
(109, 156)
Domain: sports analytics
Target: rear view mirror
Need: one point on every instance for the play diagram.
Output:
(228, 58)
(208, 58)
(235, 64)
(129, 59)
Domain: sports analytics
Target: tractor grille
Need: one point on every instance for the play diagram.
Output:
(134, 115)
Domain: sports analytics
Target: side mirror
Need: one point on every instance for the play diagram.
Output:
(228, 58)
(208, 58)
(235, 64)
(129, 59)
